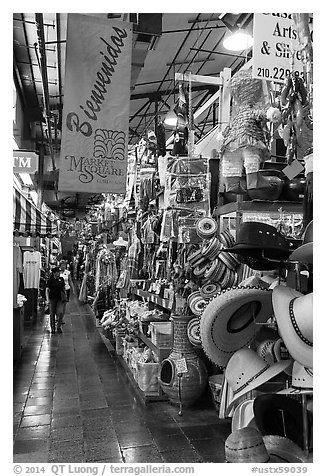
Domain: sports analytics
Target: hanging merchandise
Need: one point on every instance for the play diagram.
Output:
(245, 142)
(308, 192)
(160, 134)
(181, 130)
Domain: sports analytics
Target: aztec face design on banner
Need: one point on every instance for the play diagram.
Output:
(96, 112)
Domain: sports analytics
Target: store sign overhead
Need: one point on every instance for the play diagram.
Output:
(276, 50)
(25, 162)
(94, 147)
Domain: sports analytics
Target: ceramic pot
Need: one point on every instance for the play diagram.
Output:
(270, 193)
(190, 386)
(293, 190)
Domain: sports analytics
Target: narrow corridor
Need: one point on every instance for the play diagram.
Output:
(73, 403)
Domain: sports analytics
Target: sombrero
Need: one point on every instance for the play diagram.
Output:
(196, 258)
(230, 279)
(228, 323)
(259, 237)
(210, 290)
(206, 227)
(201, 268)
(243, 415)
(193, 332)
(229, 260)
(302, 381)
(304, 253)
(196, 303)
(211, 248)
(246, 371)
(294, 315)
(248, 445)
(277, 414)
(215, 270)
(193, 257)
(226, 239)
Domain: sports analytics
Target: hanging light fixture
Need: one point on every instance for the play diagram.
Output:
(171, 118)
(238, 41)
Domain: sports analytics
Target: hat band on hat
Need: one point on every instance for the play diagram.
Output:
(295, 324)
(251, 380)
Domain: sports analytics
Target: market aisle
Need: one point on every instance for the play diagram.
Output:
(74, 403)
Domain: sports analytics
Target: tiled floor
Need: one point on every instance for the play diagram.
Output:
(73, 403)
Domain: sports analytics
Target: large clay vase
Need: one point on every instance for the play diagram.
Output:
(270, 193)
(294, 189)
(194, 381)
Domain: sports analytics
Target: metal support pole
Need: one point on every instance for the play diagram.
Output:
(40, 190)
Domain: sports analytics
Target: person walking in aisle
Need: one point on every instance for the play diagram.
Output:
(56, 299)
(66, 275)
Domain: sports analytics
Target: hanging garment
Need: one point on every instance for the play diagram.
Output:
(32, 269)
(17, 271)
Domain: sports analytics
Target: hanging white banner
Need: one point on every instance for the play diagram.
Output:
(276, 50)
(94, 146)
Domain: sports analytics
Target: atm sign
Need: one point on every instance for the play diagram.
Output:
(25, 162)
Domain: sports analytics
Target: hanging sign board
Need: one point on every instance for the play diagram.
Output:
(276, 50)
(94, 148)
(25, 162)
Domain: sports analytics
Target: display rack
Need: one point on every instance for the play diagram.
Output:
(166, 304)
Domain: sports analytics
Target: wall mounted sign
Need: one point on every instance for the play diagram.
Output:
(25, 162)
(94, 147)
(276, 50)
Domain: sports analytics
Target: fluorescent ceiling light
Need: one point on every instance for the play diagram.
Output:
(238, 41)
(171, 118)
(26, 178)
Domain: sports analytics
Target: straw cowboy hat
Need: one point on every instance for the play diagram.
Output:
(302, 381)
(277, 414)
(229, 321)
(243, 415)
(247, 445)
(304, 253)
(246, 371)
(294, 313)
(273, 350)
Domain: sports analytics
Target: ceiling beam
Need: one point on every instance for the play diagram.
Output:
(218, 53)
(157, 94)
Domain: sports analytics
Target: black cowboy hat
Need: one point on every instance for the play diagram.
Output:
(261, 241)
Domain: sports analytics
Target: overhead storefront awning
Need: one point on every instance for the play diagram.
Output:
(29, 220)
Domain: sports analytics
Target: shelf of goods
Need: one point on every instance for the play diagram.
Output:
(144, 376)
(154, 298)
(232, 214)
